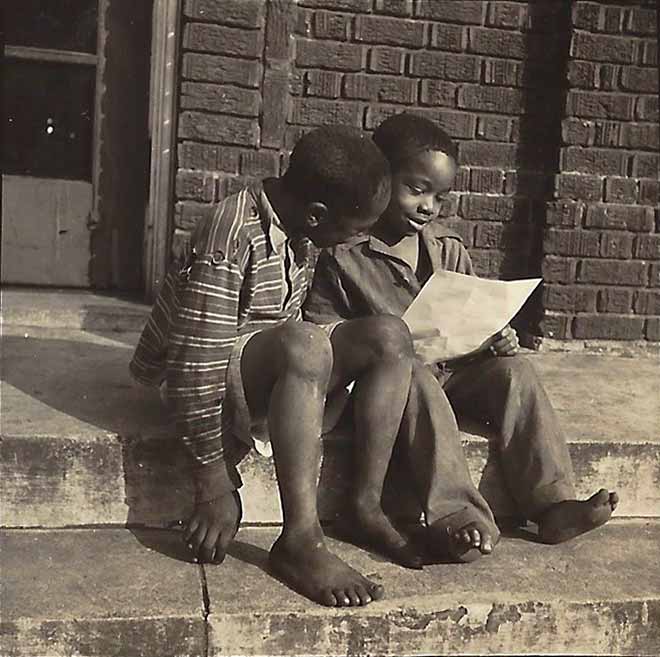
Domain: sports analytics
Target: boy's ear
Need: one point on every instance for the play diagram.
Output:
(316, 213)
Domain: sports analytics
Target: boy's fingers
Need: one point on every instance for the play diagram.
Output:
(196, 540)
(207, 550)
(190, 528)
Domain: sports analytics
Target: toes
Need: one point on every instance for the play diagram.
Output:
(487, 544)
(475, 537)
(361, 591)
(614, 500)
(353, 597)
(600, 498)
(376, 591)
(342, 599)
(327, 598)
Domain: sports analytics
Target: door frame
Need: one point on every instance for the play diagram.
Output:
(163, 95)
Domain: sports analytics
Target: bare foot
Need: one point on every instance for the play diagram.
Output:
(461, 545)
(306, 564)
(568, 519)
(371, 528)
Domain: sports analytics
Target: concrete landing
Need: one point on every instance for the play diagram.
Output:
(116, 593)
(82, 445)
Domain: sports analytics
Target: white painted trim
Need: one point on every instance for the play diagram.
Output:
(162, 125)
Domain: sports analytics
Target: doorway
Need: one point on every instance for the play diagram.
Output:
(76, 145)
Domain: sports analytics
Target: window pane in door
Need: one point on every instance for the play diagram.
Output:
(48, 119)
(56, 24)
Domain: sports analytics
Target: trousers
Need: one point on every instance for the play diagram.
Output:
(506, 394)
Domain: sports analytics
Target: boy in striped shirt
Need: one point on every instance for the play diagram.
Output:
(227, 336)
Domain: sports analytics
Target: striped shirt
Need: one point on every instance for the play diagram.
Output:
(244, 274)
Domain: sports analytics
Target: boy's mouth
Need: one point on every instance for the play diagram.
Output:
(417, 221)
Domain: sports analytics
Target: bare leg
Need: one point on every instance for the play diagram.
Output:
(377, 353)
(285, 374)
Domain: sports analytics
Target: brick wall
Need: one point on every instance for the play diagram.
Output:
(602, 241)
(256, 75)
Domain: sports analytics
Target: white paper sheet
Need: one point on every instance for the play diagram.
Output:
(455, 314)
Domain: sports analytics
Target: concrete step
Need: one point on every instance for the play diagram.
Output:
(114, 592)
(81, 445)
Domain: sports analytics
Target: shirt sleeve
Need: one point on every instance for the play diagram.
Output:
(326, 300)
(203, 334)
(455, 257)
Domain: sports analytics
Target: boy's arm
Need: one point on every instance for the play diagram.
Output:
(326, 300)
(202, 337)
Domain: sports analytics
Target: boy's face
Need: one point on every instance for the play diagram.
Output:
(335, 228)
(419, 188)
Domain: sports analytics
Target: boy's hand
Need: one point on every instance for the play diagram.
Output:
(505, 343)
(212, 527)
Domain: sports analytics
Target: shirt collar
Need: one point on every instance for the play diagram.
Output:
(270, 222)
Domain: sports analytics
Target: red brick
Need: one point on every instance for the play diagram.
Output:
(503, 72)
(195, 185)
(386, 60)
(579, 186)
(607, 133)
(218, 129)
(488, 154)
(558, 270)
(275, 92)
(328, 25)
(620, 190)
(188, 213)
(570, 242)
(438, 93)
(654, 276)
(613, 19)
(389, 31)
(577, 132)
(501, 100)
(494, 208)
(394, 7)
(231, 184)
(486, 181)
(487, 262)
(643, 80)
(642, 21)
(594, 160)
(215, 68)
(314, 111)
(640, 136)
(467, 11)
(647, 108)
(653, 328)
(340, 5)
(386, 89)
(261, 164)
(490, 235)
(607, 77)
(506, 14)
(602, 48)
(650, 52)
(556, 326)
(649, 192)
(326, 84)
(223, 40)
(647, 302)
(221, 98)
(317, 54)
(449, 205)
(448, 37)
(622, 217)
(238, 13)
(488, 41)
(613, 272)
(459, 125)
(645, 165)
(571, 298)
(493, 128)
(582, 75)
(608, 327)
(564, 213)
(587, 16)
(462, 180)
(648, 247)
(615, 244)
(457, 68)
(208, 157)
(615, 300)
(600, 105)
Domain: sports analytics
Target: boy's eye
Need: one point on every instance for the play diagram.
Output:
(415, 189)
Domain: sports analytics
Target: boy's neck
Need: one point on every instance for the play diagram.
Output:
(387, 235)
(284, 205)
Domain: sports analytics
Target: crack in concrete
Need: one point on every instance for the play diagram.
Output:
(206, 609)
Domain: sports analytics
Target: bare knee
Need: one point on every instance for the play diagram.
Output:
(387, 337)
(305, 349)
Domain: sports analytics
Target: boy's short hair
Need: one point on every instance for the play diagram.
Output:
(338, 166)
(405, 135)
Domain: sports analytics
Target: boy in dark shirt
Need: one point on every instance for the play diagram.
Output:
(382, 273)
(227, 336)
